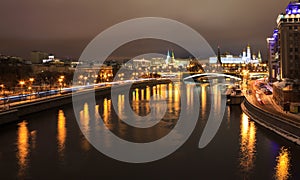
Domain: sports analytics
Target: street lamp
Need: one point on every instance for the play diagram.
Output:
(30, 87)
(60, 80)
(22, 84)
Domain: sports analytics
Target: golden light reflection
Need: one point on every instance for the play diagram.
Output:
(154, 90)
(121, 102)
(176, 97)
(84, 121)
(106, 110)
(248, 144)
(283, 164)
(164, 90)
(137, 94)
(203, 99)
(148, 93)
(170, 91)
(23, 147)
(61, 132)
(176, 93)
(142, 94)
(171, 102)
(133, 95)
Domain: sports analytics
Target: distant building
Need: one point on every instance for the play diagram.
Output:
(245, 58)
(287, 43)
(106, 74)
(37, 57)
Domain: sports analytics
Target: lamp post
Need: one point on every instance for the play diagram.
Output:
(30, 87)
(60, 80)
(22, 83)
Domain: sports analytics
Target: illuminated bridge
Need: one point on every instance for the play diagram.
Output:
(211, 76)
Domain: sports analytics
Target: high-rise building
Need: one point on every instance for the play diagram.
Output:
(273, 59)
(37, 57)
(287, 44)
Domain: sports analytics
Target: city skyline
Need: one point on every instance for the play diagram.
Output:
(57, 27)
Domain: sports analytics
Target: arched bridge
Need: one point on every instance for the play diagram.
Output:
(211, 75)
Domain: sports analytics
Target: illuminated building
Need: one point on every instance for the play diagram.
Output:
(245, 58)
(106, 74)
(273, 60)
(287, 42)
(143, 63)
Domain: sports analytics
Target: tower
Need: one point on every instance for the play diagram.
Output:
(259, 57)
(173, 57)
(219, 56)
(248, 52)
(288, 48)
(168, 57)
(244, 57)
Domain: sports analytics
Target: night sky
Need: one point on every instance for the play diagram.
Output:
(65, 27)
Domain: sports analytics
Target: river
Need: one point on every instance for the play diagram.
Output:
(50, 144)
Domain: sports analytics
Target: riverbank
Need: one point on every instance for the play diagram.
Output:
(282, 125)
(28, 107)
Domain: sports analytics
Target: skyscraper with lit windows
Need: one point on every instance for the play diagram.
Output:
(284, 46)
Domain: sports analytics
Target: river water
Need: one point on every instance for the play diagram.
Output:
(50, 144)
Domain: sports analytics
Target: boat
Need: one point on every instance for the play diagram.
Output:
(234, 96)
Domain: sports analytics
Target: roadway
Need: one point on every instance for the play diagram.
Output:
(266, 103)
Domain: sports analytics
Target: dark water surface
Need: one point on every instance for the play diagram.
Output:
(50, 145)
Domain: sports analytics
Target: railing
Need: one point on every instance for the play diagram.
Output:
(281, 124)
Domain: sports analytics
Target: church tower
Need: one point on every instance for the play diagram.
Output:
(259, 57)
(219, 57)
(248, 53)
(168, 60)
(173, 57)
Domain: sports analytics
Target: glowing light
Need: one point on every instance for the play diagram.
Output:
(21, 83)
(293, 8)
(84, 121)
(283, 165)
(23, 147)
(61, 132)
(248, 142)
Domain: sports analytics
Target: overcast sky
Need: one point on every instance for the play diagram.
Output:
(65, 27)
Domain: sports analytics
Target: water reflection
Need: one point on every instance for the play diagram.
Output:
(23, 148)
(106, 110)
(283, 164)
(247, 145)
(61, 132)
(84, 122)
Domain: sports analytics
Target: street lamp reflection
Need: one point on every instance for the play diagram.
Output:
(247, 144)
(283, 165)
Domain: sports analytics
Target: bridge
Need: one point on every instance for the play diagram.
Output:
(212, 75)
